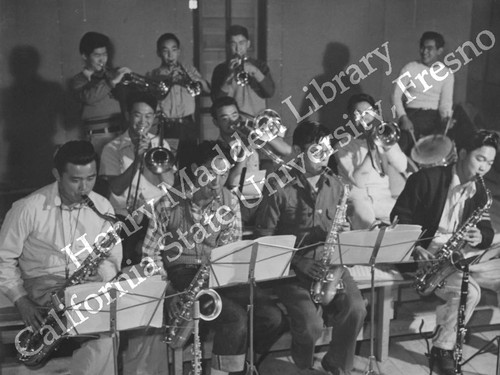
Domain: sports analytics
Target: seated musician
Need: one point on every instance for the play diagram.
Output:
(188, 227)
(178, 107)
(423, 92)
(306, 207)
(226, 117)
(441, 199)
(364, 164)
(95, 88)
(132, 184)
(38, 227)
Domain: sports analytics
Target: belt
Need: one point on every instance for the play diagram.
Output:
(112, 129)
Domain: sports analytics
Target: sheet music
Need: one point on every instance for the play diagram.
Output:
(231, 262)
(382, 273)
(356, 246)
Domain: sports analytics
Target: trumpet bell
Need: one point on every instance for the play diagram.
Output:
(386, 134)
(159, 160)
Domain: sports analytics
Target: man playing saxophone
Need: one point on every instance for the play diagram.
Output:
(34, 234)
(440, 199)
(192, 222)
(306, 207)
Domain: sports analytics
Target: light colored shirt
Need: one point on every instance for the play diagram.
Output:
(116, 157)
(351, 156)
(453, 210)
(179, 102)
(36, 230)
(434, 94)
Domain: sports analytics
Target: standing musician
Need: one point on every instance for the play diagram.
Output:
(305, 207)
(95, 89)
(188, 227)
(250, 95)
(131, 183)
(423, 92)
(37, 229)
(364, 163)
(440, 199)
(185, 83)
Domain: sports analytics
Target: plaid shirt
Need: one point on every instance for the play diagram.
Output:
(184, 233)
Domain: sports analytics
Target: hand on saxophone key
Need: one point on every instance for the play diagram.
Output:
(473, 236)
(419, 253)
(30, 313)
(174, 307)
(309, 267)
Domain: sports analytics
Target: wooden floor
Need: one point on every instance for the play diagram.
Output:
(406, 357)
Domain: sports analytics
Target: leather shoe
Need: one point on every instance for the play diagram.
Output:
(444, 360)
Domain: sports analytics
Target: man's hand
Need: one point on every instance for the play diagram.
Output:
(174, 307)
(421, 254)
(29, 312)
(406, 124)
(253, 71)
(309, 267)
(118, 75)
(473, 236)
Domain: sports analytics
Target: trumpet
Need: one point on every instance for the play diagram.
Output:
(265, 126)
(241, 76)
(158, 88)
(192, 86)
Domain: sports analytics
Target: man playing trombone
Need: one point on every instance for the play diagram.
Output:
(133, 185)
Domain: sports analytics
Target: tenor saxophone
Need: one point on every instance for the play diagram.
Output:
(35, 347)
(324, 288)
(435, 273)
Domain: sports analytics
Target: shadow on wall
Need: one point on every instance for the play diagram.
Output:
(31, 110)
(335, 60)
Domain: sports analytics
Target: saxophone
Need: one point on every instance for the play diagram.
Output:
(447, 258)
(35, 347)
(324, 288)
(180, 327)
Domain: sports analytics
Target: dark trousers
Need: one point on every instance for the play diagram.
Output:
(231, 325)
(425, 122)
(346, 313)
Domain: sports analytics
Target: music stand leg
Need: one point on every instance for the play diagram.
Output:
(372, 361)
(251, 366)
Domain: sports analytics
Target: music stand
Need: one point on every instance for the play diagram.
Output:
(133, 303)
(246, 262)
(391, 245)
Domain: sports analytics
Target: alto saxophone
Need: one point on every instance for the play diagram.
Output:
(324, 288)
(434, 275)
(32, 346)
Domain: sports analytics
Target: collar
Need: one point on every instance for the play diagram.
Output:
(54, 198)
(326, 176)
(468, 188)
(126, 141)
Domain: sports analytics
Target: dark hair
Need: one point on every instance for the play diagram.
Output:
(223, 101)
(141, 97)
(236, 30)
(202, 153)
(432, 35)
(358, 98)
(74, 152)
(309, 132)
(92, 40)
(481, 138)
(164, 37)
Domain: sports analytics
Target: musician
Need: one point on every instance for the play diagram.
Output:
(189, 226)
(133, 185)
(178, 107)
(423, 92)
(95, 88)
(305, 207)
(364, 164)
(440, 199)
(251, 98)
(36, 230)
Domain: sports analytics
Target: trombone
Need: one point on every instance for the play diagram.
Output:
(157, 160)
